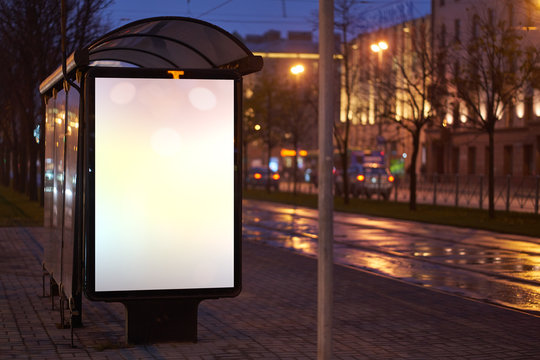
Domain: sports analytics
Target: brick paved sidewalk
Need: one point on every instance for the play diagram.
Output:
(273, 318)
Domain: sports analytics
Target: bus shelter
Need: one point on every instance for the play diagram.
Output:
(143, 173)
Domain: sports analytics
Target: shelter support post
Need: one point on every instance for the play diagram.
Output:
(53, 290)
(44, 274)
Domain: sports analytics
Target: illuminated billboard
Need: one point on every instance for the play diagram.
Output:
(163, 183)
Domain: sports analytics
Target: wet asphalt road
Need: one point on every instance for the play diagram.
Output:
(497, 268)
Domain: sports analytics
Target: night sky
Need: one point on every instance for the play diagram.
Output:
(243, 16)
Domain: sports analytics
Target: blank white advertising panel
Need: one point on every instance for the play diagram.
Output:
(164, 184)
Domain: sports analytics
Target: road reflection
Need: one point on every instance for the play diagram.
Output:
(461, 263)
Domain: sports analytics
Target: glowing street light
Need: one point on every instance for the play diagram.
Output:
(380, 46)
(297, 69)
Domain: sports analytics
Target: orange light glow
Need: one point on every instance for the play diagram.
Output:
(360, 177)
(288, 152)
(380, 46)
(275, 176)
(391, 178)
(257, 176)
(291, 152)
(297, 69)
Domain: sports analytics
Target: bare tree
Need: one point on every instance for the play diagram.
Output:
(410, 89)
(347, 22)
(250, 129)
(281, 110)
(30, 33)
(488, 73)
(262, 109)
(299, 110)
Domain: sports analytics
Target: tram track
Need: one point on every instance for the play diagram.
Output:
(419, 235)
(396, 254)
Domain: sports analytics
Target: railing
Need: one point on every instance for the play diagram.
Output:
(511, 193)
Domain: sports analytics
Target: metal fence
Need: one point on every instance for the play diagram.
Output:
(511, 193)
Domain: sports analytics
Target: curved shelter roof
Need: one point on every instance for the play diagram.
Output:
(165, 42)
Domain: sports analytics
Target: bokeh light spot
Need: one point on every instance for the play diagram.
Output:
(123, 93)
(202, 98)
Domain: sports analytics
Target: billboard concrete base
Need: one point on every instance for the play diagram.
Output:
(161, 320)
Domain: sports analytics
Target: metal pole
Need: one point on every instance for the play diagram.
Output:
(481, 194)
(379, 195)
(326, 198)
(435, 179)
(537, 193)
(507, 192)
(457, 189)
(395, 189)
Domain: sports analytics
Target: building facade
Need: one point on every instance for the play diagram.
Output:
(378, 100)
(449, 143)
(454, 147)
(385, 107)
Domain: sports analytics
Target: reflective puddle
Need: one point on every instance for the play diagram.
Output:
(501, 276)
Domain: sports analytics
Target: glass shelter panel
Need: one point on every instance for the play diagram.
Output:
(71, 144)
(53, 249)
(50, 118)
(50, 257)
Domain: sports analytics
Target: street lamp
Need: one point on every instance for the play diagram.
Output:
(297, 69)
(379, 48)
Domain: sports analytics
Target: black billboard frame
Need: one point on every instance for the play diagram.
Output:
(131, 298)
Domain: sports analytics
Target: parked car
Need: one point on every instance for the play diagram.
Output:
(366, 180)
(377, 180)
(258, 177)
